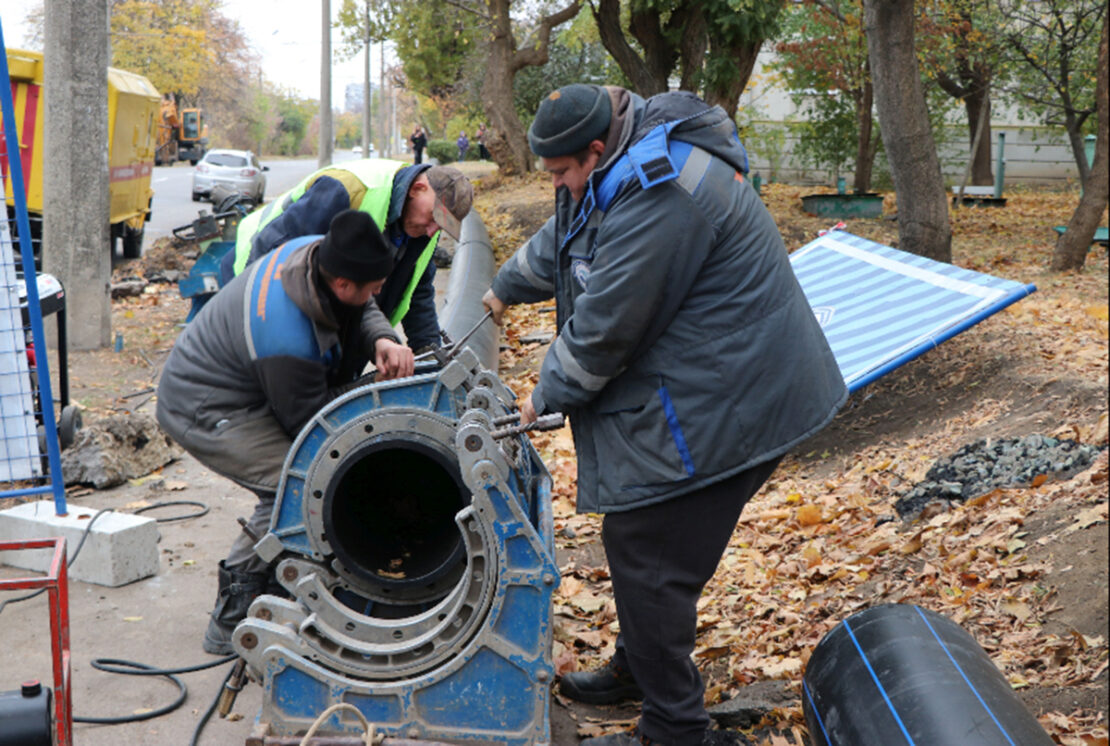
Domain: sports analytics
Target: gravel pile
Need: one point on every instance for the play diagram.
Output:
(986, 465)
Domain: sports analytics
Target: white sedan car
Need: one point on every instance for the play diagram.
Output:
(238, 170)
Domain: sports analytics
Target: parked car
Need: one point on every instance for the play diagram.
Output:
(357, 151)
(238, 170)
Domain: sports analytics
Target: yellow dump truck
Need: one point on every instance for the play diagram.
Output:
(132, 138)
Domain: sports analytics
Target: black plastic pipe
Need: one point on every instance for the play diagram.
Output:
(899, 674)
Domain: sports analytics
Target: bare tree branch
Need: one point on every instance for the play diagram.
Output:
(537, 54)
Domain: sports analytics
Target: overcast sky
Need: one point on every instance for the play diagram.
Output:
(286, 33)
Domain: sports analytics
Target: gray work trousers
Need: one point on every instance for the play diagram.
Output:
(660, 558)
(242, 558)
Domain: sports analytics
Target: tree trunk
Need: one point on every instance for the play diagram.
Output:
(865, 139)
(1073, 126)
(644, 76)
(506, 139)
(1071, 248)
(727, 95)
(977, 104)
(923, 226)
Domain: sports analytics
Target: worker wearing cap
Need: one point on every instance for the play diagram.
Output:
(409, 203)
(687, 359)
(260, 359)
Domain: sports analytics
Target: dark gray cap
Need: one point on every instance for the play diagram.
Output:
(569, 119)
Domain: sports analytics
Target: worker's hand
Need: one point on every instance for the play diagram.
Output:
(392, 360)
(527, 411)
(495, 305)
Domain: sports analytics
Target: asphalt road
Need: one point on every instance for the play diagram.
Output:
(173, 188)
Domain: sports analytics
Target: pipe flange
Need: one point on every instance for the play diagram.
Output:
(379, 427)
(368, 647)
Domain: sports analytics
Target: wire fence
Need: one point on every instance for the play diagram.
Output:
(30, 458)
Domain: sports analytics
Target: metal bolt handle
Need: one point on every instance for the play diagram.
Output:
(552, 421)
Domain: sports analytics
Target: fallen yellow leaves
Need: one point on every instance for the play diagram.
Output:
(820, 543)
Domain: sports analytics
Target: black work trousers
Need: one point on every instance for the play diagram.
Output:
(660, 558)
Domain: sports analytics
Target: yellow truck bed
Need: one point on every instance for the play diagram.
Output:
(132, 134)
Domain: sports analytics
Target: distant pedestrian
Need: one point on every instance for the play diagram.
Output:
(481, 138)
(464, 145)
(419, 141)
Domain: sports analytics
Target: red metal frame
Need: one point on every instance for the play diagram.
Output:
(56, 583)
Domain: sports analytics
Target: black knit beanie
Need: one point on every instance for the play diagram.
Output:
(354, 249)
(569, 119)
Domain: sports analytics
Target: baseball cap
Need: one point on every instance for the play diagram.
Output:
(454, 197)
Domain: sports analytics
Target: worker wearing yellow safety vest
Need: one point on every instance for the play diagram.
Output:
(409, 203)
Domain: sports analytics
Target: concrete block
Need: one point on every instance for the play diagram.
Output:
(121, 548)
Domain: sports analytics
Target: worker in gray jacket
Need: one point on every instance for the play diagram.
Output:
(260, 359)
(687, 358)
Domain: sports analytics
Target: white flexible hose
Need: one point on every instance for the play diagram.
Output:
(371, 737)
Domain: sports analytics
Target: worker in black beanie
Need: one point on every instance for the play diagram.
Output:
(354, 249)
(687, 359)
(260, 359)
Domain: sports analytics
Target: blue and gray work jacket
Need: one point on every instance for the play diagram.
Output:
(686, 350)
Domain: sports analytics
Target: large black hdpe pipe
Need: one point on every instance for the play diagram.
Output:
(899, 674)
(471, 274)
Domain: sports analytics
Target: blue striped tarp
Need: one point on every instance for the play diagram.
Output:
(880, 307)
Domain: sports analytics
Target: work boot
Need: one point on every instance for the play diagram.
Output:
(236, 591)
(608, 685)
(632, 738)
(725, 738)
(711, 738)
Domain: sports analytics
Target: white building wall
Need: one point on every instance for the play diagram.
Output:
(1033, 154)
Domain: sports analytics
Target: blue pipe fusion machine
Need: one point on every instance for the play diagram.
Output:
(414, 539)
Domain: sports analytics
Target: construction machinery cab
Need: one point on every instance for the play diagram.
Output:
(182, 135)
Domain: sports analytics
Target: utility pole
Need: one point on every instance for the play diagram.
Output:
(366, 90)
(76, 237)
(325, 86)
(382, 128)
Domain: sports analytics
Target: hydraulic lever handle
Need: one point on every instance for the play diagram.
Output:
(552, 421)
(447, 352)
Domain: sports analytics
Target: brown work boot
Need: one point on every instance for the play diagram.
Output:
(608, 685)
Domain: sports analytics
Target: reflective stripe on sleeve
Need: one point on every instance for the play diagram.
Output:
(575, 371)
(526, 271)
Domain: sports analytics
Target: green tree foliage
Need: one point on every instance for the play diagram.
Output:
(712, 44)
(294, 116)
(348, 129)
(168, 41)
(433, 42)
(571, 60)
(1057, 42)
(824, 62)
(361, 22)
(962, 52)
